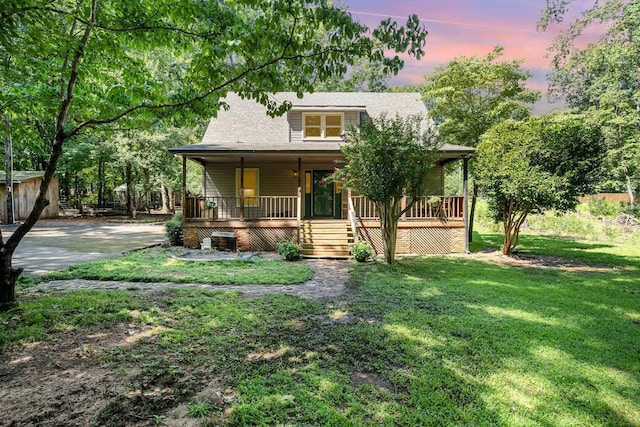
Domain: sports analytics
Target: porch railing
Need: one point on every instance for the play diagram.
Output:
(427, 207)
(288, 207)
(222, 208)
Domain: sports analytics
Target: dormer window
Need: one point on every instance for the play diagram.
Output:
(323, 125)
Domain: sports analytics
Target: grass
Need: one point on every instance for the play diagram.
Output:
(154, 265)
(626, 255)
(428, 341)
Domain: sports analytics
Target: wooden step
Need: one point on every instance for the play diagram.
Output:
(325, 254)
(326, 238)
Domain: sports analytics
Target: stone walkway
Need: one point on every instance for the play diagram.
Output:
(329, 281)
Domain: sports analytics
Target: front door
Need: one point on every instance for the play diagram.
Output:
(322, 203)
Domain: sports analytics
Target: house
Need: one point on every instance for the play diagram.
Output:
(26, 185)
(265, 179)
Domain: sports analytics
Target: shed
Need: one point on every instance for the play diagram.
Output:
(26, 185)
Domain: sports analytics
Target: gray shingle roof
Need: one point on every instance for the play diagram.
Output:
(21, 176)
(245, 127)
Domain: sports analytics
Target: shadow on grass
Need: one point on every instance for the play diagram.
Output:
(434, 341)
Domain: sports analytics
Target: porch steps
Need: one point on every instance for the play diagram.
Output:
(328, 238)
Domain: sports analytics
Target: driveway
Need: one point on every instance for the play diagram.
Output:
(47, 248)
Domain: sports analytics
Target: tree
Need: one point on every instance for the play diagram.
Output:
(386, 161)
(602, 79)
(469, 95)
(364, 76)
(541, 163)
(83, 66)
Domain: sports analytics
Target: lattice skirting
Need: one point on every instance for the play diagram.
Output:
(430, 240)
(423, 240)
(373, 236)
(266, 239)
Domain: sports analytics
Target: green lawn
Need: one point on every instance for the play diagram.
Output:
(432, 341)
(154, 265)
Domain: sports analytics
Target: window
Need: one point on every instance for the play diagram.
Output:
(322, 126)
(251, 186)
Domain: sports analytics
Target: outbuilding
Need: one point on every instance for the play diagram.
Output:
(26, 185)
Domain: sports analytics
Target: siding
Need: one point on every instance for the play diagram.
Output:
(276, 178)
(435, 182)
(24, 197)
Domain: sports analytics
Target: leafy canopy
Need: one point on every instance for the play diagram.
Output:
(537, 164)
(388, 159)
(601, 79)
(75, 66)
(470, 94)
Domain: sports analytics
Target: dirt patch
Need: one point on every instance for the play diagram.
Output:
(63, 382)
(213, 255)
(359, 379)
(531, 260)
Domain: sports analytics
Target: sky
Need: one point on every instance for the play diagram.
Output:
(470, 27)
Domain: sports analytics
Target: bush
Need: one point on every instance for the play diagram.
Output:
(174, 230)
(563, 223)
(599, 206)
(289, 250)
(361, 251)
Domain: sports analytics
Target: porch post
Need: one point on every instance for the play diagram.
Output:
(185, 210)
(299, 199)
(465, 187)
(403, 205)
(204, 182)
(241, 188)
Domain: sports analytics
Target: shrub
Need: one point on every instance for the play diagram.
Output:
(599, 206)
(361, 251)
(289, 250)
(174, 230)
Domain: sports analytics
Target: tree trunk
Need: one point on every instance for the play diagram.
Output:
(8, 277)
(389, 230)
(164, 193)
(130, 201)
(100, 183)
(472, 212)
(78, 198)
(632, 204)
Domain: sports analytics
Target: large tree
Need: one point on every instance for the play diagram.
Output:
(83, 65)
(603, 79)
(388, 160)
(469, 95)
(537, 164)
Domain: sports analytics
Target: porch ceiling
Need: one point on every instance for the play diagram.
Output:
(267, 157)
(200, 154)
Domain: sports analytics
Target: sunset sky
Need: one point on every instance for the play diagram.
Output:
(469, 27)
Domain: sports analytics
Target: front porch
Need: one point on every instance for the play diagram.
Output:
(435, 224)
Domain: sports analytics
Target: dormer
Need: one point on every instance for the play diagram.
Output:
(316, 123)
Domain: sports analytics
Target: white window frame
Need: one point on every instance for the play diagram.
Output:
(323, 126)
(257, 196)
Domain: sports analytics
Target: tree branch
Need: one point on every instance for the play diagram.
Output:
(247, 71)
(41, 201)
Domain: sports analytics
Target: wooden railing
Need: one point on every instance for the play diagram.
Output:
(224, 208)
(351, 211)
(427, 207)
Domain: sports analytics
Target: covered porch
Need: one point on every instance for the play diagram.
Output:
(266, 197)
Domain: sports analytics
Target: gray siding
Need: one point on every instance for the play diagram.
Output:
(435, 182)
(278, 179)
